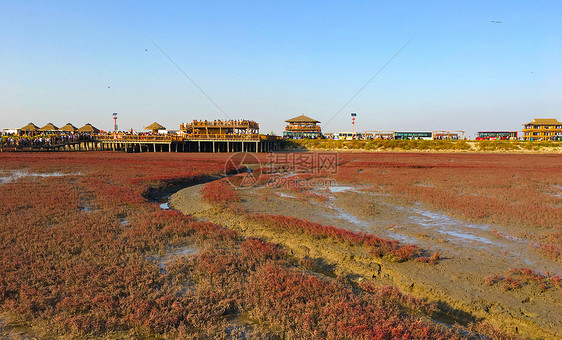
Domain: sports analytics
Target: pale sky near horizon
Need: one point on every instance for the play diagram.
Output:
(78, 62)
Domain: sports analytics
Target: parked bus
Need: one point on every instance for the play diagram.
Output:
(347, 135)
(374, 134)
(413, 135)
(496, 135)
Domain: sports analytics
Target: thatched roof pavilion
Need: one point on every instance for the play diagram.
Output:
(49, 127)
(88, 128)
(302, 119)
(30, 127)
(68, 128)
(155, 127)
(302, 127)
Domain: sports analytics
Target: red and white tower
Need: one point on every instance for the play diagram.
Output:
(115, 122)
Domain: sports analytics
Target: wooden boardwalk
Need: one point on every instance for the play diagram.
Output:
(162, 143)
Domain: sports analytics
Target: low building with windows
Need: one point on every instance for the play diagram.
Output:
(302, 127)
(543, 129)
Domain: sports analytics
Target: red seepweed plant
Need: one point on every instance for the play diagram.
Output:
(96, 272)
(519, 277)
(93, 271)
(504, 190)
(378, 247)
(221, 193)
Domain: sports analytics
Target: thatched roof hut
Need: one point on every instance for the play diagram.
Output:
(302, 119)
(88, 128)
(49, 127)
(155, 127)
(30, 127)
(68, 128)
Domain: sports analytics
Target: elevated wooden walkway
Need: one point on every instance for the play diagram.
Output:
(189, 143)
(162, 143)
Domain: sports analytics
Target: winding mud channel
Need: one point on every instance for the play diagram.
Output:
(469, 252)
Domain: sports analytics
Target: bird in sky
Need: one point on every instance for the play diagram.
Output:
(109, 87)
(495, 21)
(145, 50)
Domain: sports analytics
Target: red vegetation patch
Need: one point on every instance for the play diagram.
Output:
(93, 272)
(519, 277)
(431, 260)
(508, 190)
(378, 246)
(221, 193)
(549, 250)
(311, 308)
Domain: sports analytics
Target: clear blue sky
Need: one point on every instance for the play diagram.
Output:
(270, 61)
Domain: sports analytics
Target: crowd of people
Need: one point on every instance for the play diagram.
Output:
(43, 140)
(219, 122)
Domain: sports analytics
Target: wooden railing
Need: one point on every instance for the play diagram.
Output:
(238, 124)
(137, 138)
(269, 137)
(179, 138)
(303, 128)
(196, 136)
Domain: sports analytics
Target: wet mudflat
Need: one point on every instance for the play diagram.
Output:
(470, 252)
(359, 208)
(108, 224)
(12, 176)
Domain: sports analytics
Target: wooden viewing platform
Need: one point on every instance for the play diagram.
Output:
(302, 127)
(197, 136)
(190, 143)
(163, 143)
